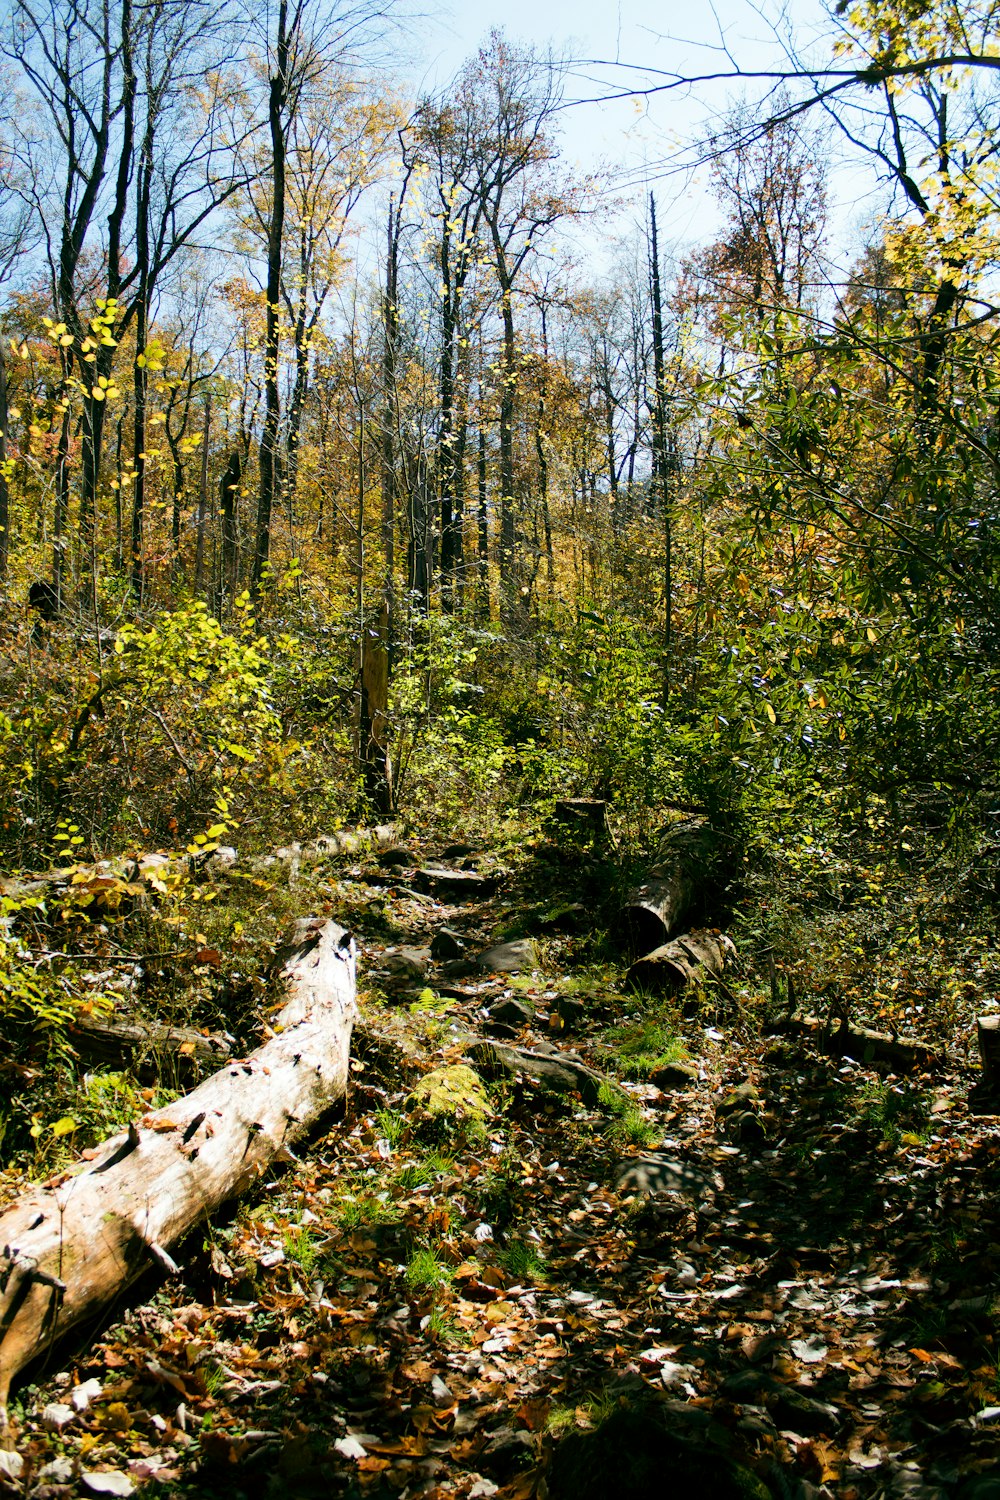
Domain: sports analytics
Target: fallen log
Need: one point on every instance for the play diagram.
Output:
(109, 1038)
(557, 1070)
(671, 968)
(988, 1034)
(70, 1246)
(654, 910)
(859, 1042)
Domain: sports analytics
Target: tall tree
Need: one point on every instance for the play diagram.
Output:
(511, 95)
(309, 43)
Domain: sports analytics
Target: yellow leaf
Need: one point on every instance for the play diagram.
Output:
(770, 713)
(65, 1126)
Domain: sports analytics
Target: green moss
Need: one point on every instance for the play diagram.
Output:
(450, 1101)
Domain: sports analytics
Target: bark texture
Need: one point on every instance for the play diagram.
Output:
(71, 1245)
(673, 967)
(653, 911)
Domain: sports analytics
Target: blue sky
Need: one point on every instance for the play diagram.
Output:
(689, 38)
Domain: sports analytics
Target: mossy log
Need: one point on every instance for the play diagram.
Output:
(110, 1038)
(71, 1245)
(860, 1042)
(671, 968)
(653, 912)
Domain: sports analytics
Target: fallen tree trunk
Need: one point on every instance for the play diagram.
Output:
(860, 1042)
(654, 910)
(556, 1070)
(670, 969)
(71, 1245)
(108, 1038)
(988, 1035)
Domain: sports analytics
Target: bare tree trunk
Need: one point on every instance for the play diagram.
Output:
(484, 526)
(373, 727)
(661, 463)
(229, 490)
(150, 1186)
(199, 545)
(277, 98)
(4, 493)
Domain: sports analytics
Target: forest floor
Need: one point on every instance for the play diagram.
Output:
(803, 1273)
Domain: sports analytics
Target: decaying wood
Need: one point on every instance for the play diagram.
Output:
(110, 1037)
(654, 910)
(109, 881)
(671, 968)
(590, 813)
(455, 885)
(71, 1245)
(557, 1070)
(860, 1042)
(988, 1034)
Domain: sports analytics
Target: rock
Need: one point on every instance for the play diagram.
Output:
(456, 851)
(801, 1413)
(738, 1100)
(675, 1075)
(455, 885)
(642, 1452)
(563, 1074)
(451, 1097)
(656, 1173)
(397, 858)
(514, 1012)
(789, 1407)
(509, 958)
(407, 963)
(447, 944)
(57, 1416)
(569, 1012)
(746, 1385)
(508, 1450)
(223, 857)
(500, 1030)
(748, 1128)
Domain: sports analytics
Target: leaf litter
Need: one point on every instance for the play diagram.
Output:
(431, 1315)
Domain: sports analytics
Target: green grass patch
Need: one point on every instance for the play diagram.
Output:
(522, 1261)
(425, 1272)
(642, 1046)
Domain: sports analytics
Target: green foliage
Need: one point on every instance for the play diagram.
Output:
(37, 1003)
(644, 1045)
(522, 1261)
(425, 1272)
(629, 1126)
(897, 1112)
(391, 1124)
(301, 1249)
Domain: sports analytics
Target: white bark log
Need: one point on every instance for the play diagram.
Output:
(69, 1246)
